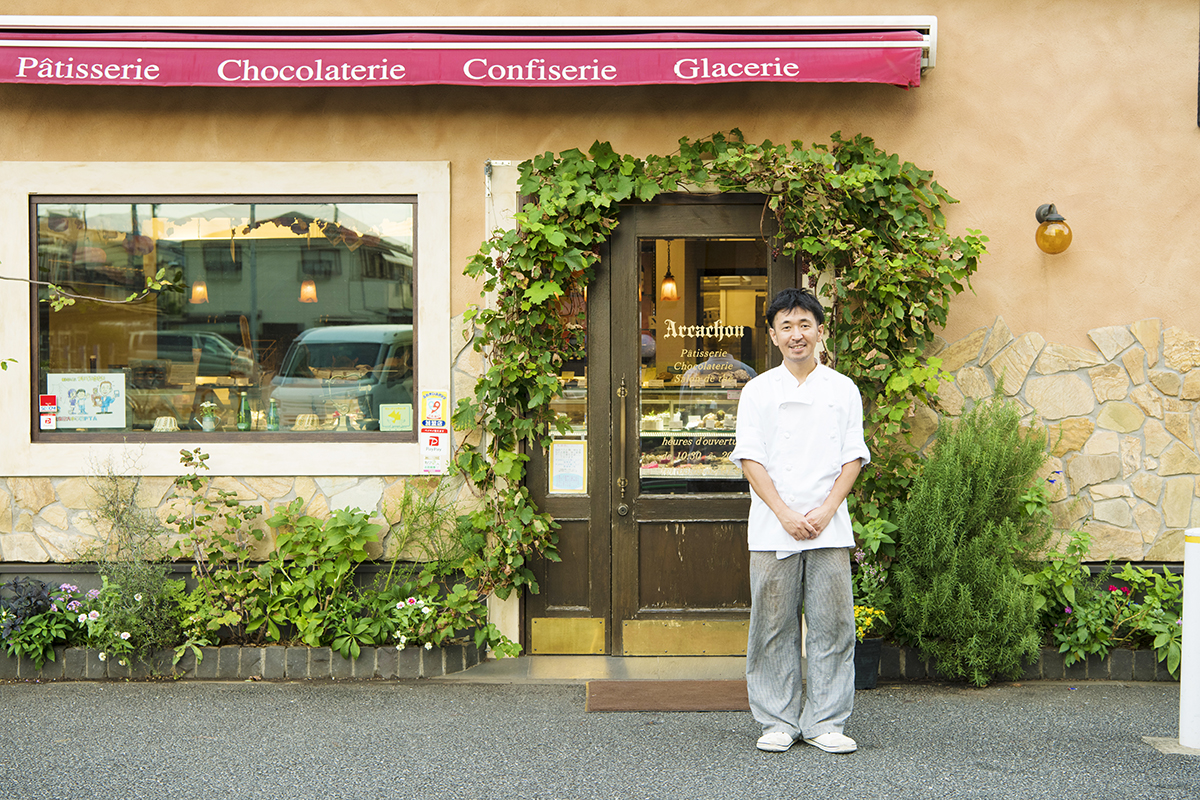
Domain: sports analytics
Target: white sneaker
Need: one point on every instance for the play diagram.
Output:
(833, 742)
(775, 741)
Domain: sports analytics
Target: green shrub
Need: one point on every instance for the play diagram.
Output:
(963, 543)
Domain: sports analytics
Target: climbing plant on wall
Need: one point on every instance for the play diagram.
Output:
(866, 229)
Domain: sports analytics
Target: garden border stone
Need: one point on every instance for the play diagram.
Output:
(280, 663)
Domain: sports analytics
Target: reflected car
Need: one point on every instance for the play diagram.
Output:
(350, 369)
(218, 356)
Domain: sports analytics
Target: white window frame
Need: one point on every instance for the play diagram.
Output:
(20, 456)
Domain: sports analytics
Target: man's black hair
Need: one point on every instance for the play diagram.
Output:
(787, 299)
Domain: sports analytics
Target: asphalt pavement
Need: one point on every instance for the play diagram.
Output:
(458, 739)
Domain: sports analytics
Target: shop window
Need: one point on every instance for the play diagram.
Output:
(288, 317)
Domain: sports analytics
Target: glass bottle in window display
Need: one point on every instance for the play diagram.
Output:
(243, 417)
(273, 415)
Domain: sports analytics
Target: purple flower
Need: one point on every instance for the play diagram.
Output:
(74, 605)
(1067, 610)
(93, 594)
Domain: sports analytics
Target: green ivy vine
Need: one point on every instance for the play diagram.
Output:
(867, 230)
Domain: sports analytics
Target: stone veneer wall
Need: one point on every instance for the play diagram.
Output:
(50, 519)
(1122, 421)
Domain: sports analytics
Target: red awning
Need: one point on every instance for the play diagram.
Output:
(401, 59)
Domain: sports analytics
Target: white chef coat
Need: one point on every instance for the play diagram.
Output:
(803, 435)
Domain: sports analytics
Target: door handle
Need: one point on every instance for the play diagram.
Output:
(622, 482)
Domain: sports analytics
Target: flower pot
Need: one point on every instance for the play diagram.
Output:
(866, 663)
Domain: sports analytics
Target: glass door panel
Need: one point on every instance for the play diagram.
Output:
(703, 336)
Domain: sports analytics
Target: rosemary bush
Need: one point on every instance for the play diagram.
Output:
(963, 547)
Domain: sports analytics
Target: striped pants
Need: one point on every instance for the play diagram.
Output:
(817, 584)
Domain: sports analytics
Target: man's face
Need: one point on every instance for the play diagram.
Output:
(796, 334)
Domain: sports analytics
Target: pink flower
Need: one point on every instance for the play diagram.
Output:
(1067, 609)
(412, 601)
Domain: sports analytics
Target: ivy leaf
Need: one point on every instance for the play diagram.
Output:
(541, 291)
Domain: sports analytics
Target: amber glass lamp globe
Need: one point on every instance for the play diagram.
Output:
(1053, 234)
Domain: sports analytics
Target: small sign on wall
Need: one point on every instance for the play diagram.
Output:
(434, 434)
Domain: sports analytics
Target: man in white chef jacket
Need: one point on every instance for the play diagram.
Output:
(800, 444)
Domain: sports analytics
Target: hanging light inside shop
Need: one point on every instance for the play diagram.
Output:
(670, 291)
(308, 291)
(199, 293)
(1053, 234)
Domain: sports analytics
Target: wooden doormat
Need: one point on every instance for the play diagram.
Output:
(667, 696)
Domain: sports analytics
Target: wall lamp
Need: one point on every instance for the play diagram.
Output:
(1053, 234)
(669, 289)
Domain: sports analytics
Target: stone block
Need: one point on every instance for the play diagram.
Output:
(1013, 363)
(1157, 438)
(118, 670)
(1068, 435)
(1169, 383)
(1149, 521)
(473, 655)
(96, 668)
(1085, 470)
(340, 668)
(997, 339)
(274, 490)
(1102, 443)
(23, 547)
(250, 665)
(160, 663)
(365, 495)
(957, 355)
(1181, 349)
(1052, 664)
(1109, 541)
(228, 660)
(206, 668)
(1120, 664)
(973, 383)
(408, 662)
(1070, 511)
(1148, 332)
(74, 664)
(319, 663)
(1191, 386)
(385, 662)
(1177, 501)
(1032, 670)
(186, 668)
(1110, 491)
(1167, 547)
(1145, 665)
(1147, 486)
(1076, 671)
(32, 494)
(1097, 667)
(364, 665)
(1179, 459)
(1148, 399)
(1116, 512)
(1109, 382)
(1134, 360)
(924, 424)
(1059, 396)
(914, 666)
(1110, 341)
(274, 663)
(1161, 673)
(9, 669)
(889, 662)
(297, 663)
(1131, 455)
(1179, 425)
(1121, 417)
(1064, 358)
(950, 399)
(433, 662)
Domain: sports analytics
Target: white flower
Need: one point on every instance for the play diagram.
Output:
(429, 645)
(400, 646)
(427, 610)
(400, 604)
(124, 634)
(83, 617)
(122, 662)
(103, 656)
(137, 597)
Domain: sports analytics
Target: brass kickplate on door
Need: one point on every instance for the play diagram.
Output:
(563, 636)
(685, 637)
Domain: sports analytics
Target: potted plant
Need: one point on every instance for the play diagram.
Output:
(867, 621)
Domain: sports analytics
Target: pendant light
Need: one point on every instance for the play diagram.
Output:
(308, 291)
(669, 291)
(199, 292)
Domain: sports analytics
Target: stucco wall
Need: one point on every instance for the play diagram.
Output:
(1091, 105)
